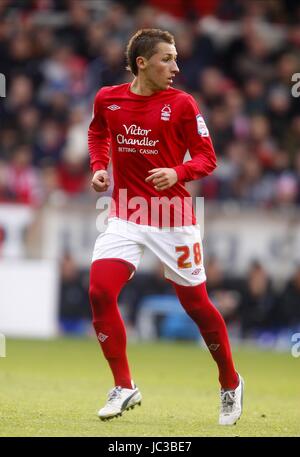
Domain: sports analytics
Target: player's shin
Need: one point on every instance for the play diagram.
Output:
(107, 278)
(213, 330)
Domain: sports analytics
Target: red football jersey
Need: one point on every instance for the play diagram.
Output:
(146, 132)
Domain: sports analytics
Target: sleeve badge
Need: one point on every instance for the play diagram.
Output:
(201, 126)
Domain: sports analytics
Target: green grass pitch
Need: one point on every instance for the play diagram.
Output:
(54, 388)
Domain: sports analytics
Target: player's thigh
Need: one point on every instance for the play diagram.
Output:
(181, 253)
(114, 246)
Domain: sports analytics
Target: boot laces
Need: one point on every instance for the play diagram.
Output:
(114, 394)
(227, 400)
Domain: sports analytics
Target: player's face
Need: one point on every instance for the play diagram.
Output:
(161, 68)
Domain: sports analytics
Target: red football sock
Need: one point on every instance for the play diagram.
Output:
(107, 278)
(213, 330)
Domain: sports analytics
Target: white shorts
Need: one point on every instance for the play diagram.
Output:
(179, 250)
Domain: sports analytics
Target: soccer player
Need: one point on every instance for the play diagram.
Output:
(149, 126)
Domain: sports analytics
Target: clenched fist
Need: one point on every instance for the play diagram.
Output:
(100, 181)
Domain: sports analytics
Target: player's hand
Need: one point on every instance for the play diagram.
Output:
(162, 178)
(100, 181)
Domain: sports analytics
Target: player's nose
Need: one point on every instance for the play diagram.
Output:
(175, 68)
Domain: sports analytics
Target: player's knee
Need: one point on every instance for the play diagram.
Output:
(101, 295)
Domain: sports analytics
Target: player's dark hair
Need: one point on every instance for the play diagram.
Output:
(143, 43)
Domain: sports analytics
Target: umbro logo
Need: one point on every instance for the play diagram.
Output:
(213, 347)
(196, 272)
(102, 337)
(114, 107)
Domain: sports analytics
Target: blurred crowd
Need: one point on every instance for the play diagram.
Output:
(237, 58)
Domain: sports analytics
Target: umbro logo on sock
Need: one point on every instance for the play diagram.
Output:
(213, 347)
(102, 337)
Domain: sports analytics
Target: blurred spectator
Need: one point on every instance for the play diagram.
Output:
(28, 120)
(279, 105)
(74, 302)
(254, 91)
(289, 303)
(220, 127)
(48, 144)
(223, 291)
(64, 72)
(20, 95)
(257, 301)
(20, 181)
(251, 186)
(212, 86)
(195, 53)
(286, 190)
(72, 175)
(74, 33)
(292, 138)
(261, 141)
(108, 68)
(51, 185)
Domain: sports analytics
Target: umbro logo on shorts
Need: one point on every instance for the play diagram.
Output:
(196, 272)
(114, 107)
(102, 337)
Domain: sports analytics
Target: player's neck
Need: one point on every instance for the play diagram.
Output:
(142, 87)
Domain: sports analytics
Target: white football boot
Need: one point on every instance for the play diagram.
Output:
(231, 404)
(119, 400)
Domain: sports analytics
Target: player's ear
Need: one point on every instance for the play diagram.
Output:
(141, 62)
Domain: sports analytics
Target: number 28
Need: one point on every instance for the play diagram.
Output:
(183, 260)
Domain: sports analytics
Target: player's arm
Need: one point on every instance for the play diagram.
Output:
(198, 143)
(99, 145)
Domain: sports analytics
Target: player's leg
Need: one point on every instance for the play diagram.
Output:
(181, 253)
(107, 278)
(212, 327)
(211, 324)
(114, 261)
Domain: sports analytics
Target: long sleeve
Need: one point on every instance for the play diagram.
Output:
(199, 144)
(98, 137)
